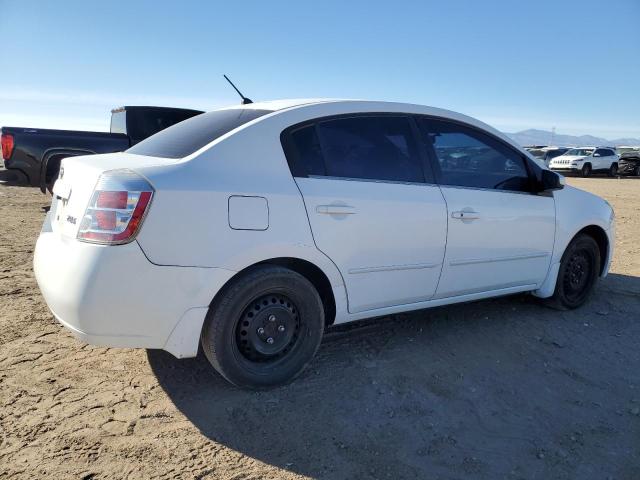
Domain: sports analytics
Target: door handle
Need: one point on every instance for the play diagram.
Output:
(335, 209)
(465, 215)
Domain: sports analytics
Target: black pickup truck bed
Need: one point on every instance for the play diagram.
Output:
(36, 149)
(35, 154)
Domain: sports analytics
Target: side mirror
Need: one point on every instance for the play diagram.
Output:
(596, 155)
(551, 181)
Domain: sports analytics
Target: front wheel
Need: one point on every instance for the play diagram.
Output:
(578, 274)
(637, 172)
(613, 170)
(586, 170)
(264, 328)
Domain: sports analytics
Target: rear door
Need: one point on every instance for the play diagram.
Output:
(500, 234)
(372, 207)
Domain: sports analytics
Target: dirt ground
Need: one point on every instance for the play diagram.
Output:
(495, 389)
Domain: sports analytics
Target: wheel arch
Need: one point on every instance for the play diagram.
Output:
(312, 272)
(600, 236)
(54, 156)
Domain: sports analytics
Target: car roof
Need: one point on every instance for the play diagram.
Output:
(364, 106)
(275, 105)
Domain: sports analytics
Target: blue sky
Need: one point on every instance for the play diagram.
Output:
(572, 64)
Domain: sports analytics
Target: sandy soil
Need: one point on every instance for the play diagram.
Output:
(495, 389)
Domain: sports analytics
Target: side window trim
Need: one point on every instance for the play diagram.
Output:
(435, 164)
(298, 170)
(426, 161)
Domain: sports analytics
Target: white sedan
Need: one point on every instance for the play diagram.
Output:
(249, 229)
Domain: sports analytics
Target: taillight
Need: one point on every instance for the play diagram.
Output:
(117, 207)
(7, 145)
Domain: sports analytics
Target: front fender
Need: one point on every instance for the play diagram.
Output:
(575, 211)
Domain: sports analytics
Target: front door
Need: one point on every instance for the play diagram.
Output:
(371, 208)
(500, 234)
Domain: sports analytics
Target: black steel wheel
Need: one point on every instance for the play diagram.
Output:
(578, 274)
(268, 328)
(264, 327)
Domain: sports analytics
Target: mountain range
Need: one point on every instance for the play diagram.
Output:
(543, 137)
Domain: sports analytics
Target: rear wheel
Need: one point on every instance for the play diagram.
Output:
(586, 170)
(613, 170)
(578, 274)
(264, 328)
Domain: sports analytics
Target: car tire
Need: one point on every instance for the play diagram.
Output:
(578, 274)
(637, 170)
(613, 170)
(264, 327)
(586, 170)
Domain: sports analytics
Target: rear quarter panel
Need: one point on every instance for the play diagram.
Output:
(188, 221)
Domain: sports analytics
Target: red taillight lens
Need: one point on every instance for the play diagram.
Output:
(106, 220)
(112, 200)
(7, 145)
(116, 209)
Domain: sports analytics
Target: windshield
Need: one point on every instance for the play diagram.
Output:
(554, 153)
(184, 138)
(536, 152)
(580, 152)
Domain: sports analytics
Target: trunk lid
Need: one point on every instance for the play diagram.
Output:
(77, 180)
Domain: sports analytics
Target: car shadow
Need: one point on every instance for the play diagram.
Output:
(470, 390)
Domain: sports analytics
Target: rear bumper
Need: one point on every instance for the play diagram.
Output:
(113, 296)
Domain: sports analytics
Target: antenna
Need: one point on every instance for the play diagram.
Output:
(245, 100)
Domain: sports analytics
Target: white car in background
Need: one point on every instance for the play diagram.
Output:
(587, 160)
(249, 229)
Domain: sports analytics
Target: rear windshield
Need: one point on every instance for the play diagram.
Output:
(186, 137)
(119, 122)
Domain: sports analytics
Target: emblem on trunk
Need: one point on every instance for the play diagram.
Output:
(71, 220)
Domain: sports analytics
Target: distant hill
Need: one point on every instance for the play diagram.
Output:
(542, 137)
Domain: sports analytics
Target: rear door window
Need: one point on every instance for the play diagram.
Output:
(360, 147)
(467, 157)
(184, 138)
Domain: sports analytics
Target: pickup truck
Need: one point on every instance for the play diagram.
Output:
(34, 154)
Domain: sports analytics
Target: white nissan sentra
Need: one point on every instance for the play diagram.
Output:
(249, 229)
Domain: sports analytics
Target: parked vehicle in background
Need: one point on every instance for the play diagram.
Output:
(248, 229)
(35, 153)
(546, 154)
(587, 160)
(629, 160)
